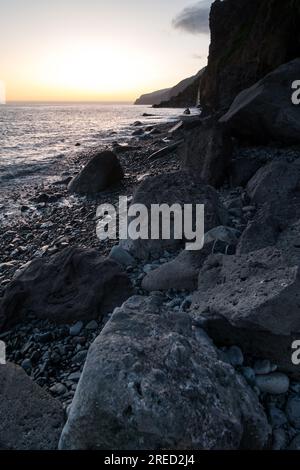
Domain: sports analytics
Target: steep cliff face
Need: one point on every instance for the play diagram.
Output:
(155, 97)
(184, 94)
(249, 38)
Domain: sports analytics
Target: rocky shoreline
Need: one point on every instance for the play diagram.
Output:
(52, 354)
(50, 220)
(142, 344)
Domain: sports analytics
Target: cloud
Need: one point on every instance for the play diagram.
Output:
(194, 19)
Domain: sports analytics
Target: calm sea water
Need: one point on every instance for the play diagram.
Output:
(33, 137)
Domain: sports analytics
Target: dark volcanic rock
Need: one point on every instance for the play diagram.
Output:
(154, 97)
(150, 382)
(185, 93)
(207, 152)
(274, 225)
(180, 273)
(262, 232)
(249, 39)
(276, 189)
(99, 173)
(253, 301)
(182, 187)
(30, 419)
(75, 284)
(242, 169)
(265, 113)
(165, 150)
(276, 181)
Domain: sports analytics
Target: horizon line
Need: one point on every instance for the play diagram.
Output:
(71, 101)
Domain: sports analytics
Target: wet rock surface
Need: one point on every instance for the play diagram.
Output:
(53, 355)
(207, 151)
(148, 382)
(100, 172)
(265, 112)
(181, 187)
(30, 418)
(75, 284)
(180, 273)
(243, 298)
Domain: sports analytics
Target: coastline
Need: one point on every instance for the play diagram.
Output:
(51, 219)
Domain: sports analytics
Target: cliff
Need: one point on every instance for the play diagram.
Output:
(184, 94)
(155, 97)
(249, 38)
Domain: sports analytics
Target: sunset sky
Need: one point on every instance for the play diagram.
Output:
(99, 49)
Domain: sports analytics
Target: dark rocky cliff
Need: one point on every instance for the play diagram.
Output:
(184, 94)
(155, 97)
(249, 38)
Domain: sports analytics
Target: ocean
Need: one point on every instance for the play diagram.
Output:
(33, 137)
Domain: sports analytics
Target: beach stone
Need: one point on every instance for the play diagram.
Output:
(264, 112)
(74, 376)
(103, 170)
(43, 337)
(277, 417)
(58, 389)
(122, 256)
(92, 325)
(27, 365)
(30, 419)
(275, 383)
(76, 329)
(251, 301)
(249, 375)
(235, 356)
(181, 187)
(180, 273)
(80, 357)
(262, 367)
(148, 381)
(74, 284)
(293, 411)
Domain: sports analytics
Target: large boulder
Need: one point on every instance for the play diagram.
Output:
(75, 284)
(181, 187)
(103, 170)
(151, 382)
(252, 300)
(276, 181)
(180, 273)
(275, 189)
(262, 232)
(207, 151)
(265, 112)
(30, 419)
(243, 167)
